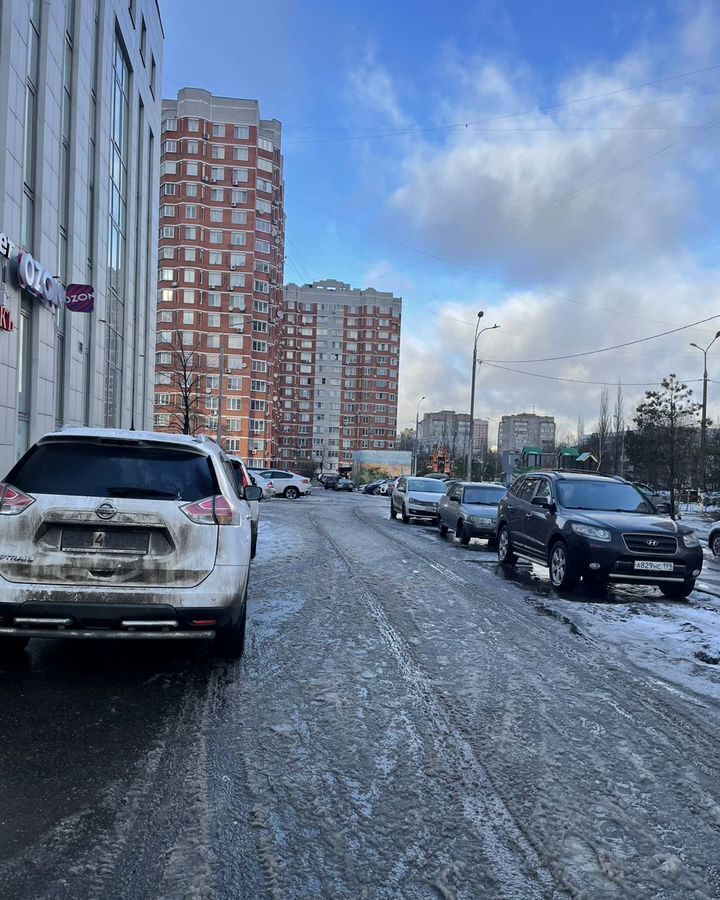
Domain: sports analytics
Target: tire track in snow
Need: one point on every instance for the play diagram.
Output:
(518, 866)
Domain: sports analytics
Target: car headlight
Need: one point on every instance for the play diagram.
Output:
(691, 540)
(590, 531)
(480, 520)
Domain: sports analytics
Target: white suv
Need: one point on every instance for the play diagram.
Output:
(286, 484)
(124, 534)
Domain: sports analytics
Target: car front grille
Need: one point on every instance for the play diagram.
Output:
(651, 544)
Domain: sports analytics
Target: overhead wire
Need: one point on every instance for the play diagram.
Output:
(650, 337)
(581, 380)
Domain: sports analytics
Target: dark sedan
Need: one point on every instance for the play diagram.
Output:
(470, 510)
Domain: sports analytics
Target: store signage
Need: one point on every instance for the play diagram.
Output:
(6, 322)
(34, 278)
(80, 298)
(38, 281)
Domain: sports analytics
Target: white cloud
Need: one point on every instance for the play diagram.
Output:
(372, 89)
(533, 328)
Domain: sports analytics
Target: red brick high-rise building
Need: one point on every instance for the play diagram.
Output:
(220, 276)
(338, 374)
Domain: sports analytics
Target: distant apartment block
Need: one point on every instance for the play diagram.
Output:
(338, 373)
(480, 437)
(444, 430)
(221, 270)
(526, 430)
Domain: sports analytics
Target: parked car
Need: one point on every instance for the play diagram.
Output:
(286, 484)
(416, 498)
(387, 487)
(329, 481)
(470, 510)
(124, 534)
(265, 484)
(714, 539)
(343, 484)
(593, 525)
(373, 487)
(244, 479)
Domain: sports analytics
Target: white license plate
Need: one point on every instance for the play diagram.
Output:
(653, 565)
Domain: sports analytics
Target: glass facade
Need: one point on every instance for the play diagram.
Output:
(117, 237)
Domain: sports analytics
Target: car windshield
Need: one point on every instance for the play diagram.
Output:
(602, 495)
(487, 496)
(79, 469)
(431, 486)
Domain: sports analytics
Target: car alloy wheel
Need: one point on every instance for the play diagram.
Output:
(715, 545)
(405, 517)
(562, 569)
(506, 557)
(292, 493)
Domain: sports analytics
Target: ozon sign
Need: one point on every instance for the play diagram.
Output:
(32, 276)
(39, 281)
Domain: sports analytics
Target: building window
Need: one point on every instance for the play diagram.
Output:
(215, 258)
(265, 144)
(217, 152)
(117, 237)
(190, 233)
(193, 124)
(191, 212)
(239, 217)
(169, 147)
(217, 195)
(241, 175)
(192, 147)
(214, 300)
(169, 125)
(263, 206)
(264, 164)
(264, 185)
(218, 130)
(242, 132)
(262, 246)
(216, 237)
(238, 238)
(192, 168)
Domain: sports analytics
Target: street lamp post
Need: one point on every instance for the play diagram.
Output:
(417, 436)
(472, 390)
(703, 423)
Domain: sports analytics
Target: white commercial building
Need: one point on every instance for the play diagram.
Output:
(79, 181)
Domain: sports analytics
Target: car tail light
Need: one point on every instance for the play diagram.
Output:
(210, 511)
(305, 481)
(270, 484)
(13, 501)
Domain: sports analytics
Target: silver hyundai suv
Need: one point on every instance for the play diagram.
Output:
(124, 534)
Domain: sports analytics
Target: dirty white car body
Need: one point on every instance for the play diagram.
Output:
(142, 556)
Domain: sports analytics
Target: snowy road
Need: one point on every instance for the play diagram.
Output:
(408, 722)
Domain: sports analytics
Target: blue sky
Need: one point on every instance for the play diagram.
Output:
(577, 207)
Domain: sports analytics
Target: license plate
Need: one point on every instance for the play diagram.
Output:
(121, 541)
(653, 565)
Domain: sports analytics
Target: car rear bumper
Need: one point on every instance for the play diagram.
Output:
(116, 621)
(219, 590)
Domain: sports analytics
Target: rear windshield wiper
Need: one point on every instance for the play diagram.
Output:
(123, 491)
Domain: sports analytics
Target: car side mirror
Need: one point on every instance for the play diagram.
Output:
(544, 503)
(253, 492)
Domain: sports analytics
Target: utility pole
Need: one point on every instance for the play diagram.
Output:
(417, 435)
(472, 391)
(703, 423)
(220, 397)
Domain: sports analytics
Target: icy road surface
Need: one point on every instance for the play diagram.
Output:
(408, 722)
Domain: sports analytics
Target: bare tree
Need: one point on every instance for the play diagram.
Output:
(604, 430)
(580, 430)
(618, 431)
(186, 399)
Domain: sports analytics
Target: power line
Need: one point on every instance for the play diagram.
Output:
(580, 380)
(368, 128)
(650, 337)
(399, 132)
